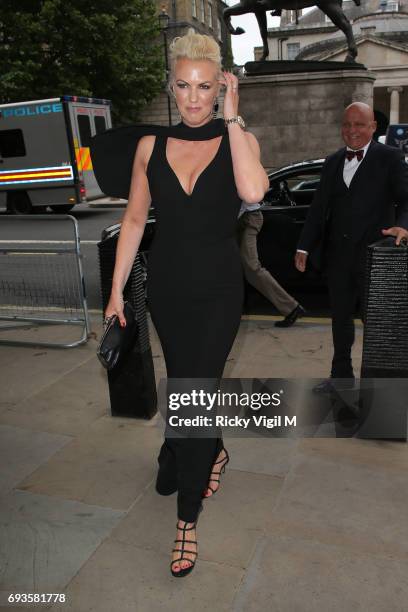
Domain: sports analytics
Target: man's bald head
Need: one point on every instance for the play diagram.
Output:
(358, 125)
(362, 107)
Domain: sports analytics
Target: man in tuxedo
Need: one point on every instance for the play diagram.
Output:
(363, 190)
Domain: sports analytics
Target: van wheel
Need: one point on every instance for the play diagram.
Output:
(19, 203)
(63, 209)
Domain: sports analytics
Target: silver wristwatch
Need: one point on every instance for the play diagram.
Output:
(238, 119)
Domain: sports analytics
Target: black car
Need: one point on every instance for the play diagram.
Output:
(285, 207)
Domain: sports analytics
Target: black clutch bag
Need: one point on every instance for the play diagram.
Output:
(117, 341)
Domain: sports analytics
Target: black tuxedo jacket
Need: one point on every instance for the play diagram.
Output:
(379, 194)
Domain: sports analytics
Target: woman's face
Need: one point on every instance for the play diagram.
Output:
(195, 86)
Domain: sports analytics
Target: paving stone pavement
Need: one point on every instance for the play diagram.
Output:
(299, 525)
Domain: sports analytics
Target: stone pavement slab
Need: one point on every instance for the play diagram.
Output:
(294, 575)
(45, 540)
(66, 404)
(22, 451)
(266, 456)
(238, 511)
(302, 351)
(339, 499)
(121, 576)
(109, 464)
(25, 371)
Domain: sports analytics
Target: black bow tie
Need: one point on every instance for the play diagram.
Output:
(359, 154)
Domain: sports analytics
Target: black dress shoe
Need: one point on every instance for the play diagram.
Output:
(290, 319)
(324, 388)
(331, 385)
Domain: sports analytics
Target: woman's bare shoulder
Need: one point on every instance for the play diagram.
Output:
(145, 148)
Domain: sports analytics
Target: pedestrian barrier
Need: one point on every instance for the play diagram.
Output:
(41, 281)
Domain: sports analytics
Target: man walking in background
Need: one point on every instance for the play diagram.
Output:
(250, 223)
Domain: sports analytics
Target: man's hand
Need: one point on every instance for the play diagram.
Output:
(300, 261)
(400, 233)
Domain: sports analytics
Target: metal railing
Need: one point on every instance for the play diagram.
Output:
(41, 281)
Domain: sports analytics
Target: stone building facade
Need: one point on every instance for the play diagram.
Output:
(205, 16)
(380, 28)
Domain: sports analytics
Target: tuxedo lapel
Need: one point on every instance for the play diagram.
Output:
(336, 165)
(363, 169)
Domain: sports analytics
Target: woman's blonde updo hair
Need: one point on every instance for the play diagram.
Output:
(195, 47)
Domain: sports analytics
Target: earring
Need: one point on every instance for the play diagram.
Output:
(215, 108)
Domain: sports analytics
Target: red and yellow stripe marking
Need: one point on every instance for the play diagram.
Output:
(36, 175)
(83, 158)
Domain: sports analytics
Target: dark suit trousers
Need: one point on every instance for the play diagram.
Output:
(345, 277)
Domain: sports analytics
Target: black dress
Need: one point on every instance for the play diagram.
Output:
(195, 294)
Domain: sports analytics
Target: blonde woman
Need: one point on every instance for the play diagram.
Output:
(196, 178)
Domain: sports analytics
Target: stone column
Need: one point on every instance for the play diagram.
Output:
(394, 103)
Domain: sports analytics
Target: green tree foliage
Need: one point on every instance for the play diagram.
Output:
(93, 48)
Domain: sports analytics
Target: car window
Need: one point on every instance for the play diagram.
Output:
(291, 188)
(12, 143)
(305, 181)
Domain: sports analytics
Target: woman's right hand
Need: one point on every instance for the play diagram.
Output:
(115, 307)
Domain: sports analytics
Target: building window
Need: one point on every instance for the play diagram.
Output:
(392, 6)
(293, 49)
(194, 8)
(202, 11)
(210, 15)
(219, 29)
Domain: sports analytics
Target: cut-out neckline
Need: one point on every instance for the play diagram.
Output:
(189, 195)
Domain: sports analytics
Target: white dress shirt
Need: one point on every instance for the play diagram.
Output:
(350, 166)
(349, 170)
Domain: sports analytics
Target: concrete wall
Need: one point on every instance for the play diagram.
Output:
(298, 116)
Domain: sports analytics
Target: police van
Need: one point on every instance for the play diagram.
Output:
(44, 152)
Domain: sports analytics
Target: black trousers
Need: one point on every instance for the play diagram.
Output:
(185, 465)
(345, 279)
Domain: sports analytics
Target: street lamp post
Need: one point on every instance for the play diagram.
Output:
(164, 21)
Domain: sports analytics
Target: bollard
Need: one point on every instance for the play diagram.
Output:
(132, 385)
(383, 402)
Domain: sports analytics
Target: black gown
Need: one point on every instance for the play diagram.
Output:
(195, 294)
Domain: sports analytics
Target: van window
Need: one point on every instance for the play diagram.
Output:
(100, 123)
(12, 143)
(84, 125)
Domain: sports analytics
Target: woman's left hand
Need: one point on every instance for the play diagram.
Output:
(231, 94)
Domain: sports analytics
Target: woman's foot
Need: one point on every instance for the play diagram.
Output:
(185, 551)
(217, 469)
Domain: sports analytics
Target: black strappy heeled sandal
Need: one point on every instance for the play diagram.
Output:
(186, 570)
(217, 475)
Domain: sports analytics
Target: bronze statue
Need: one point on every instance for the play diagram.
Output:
(331, 8)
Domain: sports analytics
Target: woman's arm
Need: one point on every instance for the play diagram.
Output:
(132, 228)
(250, 177)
